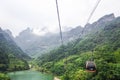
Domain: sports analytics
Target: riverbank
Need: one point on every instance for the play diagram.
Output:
(55, 78)
(4, 76)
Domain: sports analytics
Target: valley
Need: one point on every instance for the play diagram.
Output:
(100, 42)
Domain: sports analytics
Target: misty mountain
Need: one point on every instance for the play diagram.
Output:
(10, 53)
(102, 47)
(99, 24)
(33, 44)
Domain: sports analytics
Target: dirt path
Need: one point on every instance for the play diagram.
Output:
(55, 78)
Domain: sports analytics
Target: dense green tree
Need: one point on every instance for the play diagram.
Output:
(68, 61)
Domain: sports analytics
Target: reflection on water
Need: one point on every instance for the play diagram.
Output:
(29, 75)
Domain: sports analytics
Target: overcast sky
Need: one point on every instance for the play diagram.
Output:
(17, 15)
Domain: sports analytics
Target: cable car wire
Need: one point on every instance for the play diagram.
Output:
(60, 28)
(89, 18)
(91, 14)
(90, 65)
(61, 36)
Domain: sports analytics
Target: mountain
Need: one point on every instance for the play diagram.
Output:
(36, 45)
(26, 39)
(33, 44)
(99, 24)
(11, 56)
(68, 61)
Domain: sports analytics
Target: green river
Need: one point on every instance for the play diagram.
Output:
(30, 75)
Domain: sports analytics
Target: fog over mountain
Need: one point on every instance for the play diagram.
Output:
(34, 44)
(12, 58)
(17, 15)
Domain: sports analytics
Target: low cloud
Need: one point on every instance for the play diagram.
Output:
(17, 15)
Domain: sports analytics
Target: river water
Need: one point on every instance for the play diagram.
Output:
(30, 75)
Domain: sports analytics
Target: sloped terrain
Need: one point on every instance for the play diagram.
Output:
(35, 45)
(11, 56)
(68, 61)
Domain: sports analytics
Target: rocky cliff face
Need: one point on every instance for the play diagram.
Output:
(100, 24)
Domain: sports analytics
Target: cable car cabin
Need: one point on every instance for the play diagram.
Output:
(90, 66)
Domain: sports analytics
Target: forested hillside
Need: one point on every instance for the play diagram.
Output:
(35, 45)
(68, 61)
(12, 58)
